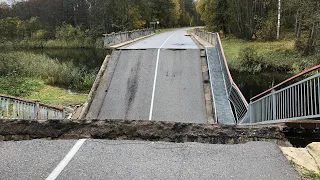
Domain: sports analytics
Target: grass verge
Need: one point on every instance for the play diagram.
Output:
(57, 96)
(51, 71)
(38, 77)
(278, 55)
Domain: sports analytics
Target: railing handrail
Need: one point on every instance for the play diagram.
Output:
(233, 93)
(228, 71)
(30, 101)
(286, 81)
(285, 88)
(298, 101)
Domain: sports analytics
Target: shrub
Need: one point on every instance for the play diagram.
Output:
(19, 86)
(252, 62)
(305, 63)
(51, 71)
(83, 80)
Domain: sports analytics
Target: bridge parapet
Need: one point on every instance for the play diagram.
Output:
(120, 37)
(18, 108)
(234, 94)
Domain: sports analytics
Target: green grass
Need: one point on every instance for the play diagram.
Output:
(277, 53)
(304, 173)
(51, 44)
(35, 89)
(19, 86)
(39, 77)
(57, 96)
(311, 175)
(51, 71)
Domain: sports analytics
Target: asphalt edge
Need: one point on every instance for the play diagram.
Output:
(105, 74)
(209, 99)
(94, 87)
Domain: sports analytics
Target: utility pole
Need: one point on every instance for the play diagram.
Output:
(279, 18)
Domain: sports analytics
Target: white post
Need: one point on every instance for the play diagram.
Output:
(36, 111)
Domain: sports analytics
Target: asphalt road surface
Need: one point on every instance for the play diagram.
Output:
(103, 159)
(158, 78)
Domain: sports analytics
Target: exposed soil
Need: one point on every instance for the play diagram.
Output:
(137, 130)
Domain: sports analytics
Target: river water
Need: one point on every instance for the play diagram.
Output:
(254, 84)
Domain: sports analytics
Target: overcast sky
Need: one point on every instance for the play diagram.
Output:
(9, 1)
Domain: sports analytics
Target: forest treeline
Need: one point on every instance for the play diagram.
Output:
(82, 21)
(257, 20)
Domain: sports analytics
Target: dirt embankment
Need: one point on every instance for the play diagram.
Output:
(137, 130)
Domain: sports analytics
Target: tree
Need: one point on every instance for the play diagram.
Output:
(5, 10)
(100, 16)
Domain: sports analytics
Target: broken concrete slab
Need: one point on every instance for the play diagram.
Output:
(301, 157)
(314, 151)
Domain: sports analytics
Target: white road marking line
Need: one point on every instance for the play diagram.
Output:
(55, 173)
(155, 78)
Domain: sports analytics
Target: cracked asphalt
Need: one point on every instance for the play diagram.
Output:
(158, 78)
(104, 159)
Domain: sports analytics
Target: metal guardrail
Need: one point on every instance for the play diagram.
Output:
(286, 81)
(240, 104)
(120, 37)
(299, 101)
(17, 108)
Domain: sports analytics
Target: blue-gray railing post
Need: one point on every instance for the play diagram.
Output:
(274, 104)
(17, 108)
(251, 112)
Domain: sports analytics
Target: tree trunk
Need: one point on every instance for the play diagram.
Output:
(279, 18)
(298, 26)
(311, 41)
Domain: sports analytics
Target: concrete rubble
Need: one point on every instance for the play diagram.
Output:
(308, 158)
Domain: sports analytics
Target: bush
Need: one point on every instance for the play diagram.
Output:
(252, 62)
(83, 80)
(72, 37)
(51, 71)
(19, 86)
(305, 63)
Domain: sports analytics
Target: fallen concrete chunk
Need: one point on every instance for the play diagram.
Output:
(301, 157)
(314, 151)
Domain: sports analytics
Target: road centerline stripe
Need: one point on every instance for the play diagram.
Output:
(56, 172)
(155, 77)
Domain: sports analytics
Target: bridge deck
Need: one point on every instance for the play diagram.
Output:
(158, 78)
(221, 101)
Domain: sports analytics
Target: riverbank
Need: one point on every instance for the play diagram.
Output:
(39, 77)
(51, 71)
(272, 56)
